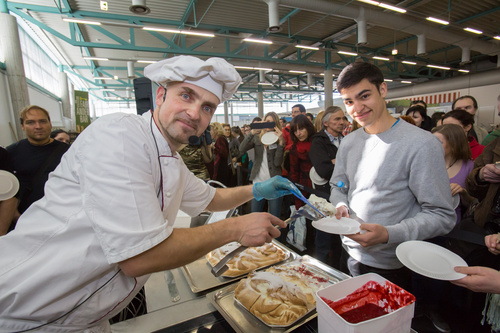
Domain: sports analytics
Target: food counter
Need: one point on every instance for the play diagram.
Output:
(176, 302)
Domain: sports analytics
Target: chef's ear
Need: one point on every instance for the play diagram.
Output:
(161, 94)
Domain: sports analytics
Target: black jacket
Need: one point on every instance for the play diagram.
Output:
(322, 152)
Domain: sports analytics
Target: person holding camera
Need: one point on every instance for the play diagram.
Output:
(268, 157)
(197, 154)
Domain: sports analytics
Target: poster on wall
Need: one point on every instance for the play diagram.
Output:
(82, 114)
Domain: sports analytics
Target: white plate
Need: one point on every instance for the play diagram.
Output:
(430, 260)
(9, 185)
(455, 200)
(344, 226)
(269, 138)
(315, 178)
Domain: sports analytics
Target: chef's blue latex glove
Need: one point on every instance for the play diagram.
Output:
(273, 188)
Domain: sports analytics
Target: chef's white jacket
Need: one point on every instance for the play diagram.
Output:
(102, 205)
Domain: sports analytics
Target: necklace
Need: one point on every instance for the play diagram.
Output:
(449, 166)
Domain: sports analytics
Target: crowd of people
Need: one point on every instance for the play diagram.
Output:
(113, 200)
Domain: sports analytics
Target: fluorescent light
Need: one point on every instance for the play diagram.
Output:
(298, 72)
(262, 41)
(394, 8)
(291, 85)
(439, 67)
(115, 77)
(95, 58)
(242, 67)
(394, 51)
(474, 31)
(104, 78)
(388, 80)
(464, 70)
(497, 37)
(307, 47)
(73, 20)
(371, 2)
(433, 19)
(347, 53)
(381, 58)
(265, 84)
(409, 62)
(263, 69)
(194, 33)
(406, 82)
(146, 61)
(173, 31)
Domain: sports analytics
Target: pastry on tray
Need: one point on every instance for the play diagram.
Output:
(248, 260)
(280, 295)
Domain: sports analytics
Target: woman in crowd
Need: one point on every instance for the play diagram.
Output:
(419, 115)
(458, 159)
(222, 171)
(267, 162)
(301, 132)
(318, 122)
(465, 120)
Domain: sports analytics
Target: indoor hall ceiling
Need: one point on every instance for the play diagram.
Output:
(329, 25)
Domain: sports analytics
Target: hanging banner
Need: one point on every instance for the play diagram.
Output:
(82, 114)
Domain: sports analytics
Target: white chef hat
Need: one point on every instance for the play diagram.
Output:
(215, 74)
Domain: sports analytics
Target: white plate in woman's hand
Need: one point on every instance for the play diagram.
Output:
(343, 226)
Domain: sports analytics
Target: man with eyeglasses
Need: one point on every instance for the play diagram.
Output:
(36, 156)
(106, 222)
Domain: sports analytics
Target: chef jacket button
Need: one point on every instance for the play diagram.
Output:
(168, 194)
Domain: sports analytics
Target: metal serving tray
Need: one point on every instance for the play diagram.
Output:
(200, 279)
(241, 320)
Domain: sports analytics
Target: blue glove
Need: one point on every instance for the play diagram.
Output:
(273, 188)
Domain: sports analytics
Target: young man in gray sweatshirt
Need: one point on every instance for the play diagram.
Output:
(395, 175)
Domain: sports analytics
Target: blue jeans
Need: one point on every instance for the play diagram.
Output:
(274, 206)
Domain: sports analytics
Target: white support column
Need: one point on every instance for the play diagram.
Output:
(421, 48)
(260, 103)
(63, 81)
(226, 113)
(10, 46)
(232, 118)
(328, 88)
(361, 21)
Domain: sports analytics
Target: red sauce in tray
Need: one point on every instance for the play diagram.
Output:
(371, 301)
(365, 312)
(309, 273)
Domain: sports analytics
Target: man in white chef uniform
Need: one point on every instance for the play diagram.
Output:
(81, 253)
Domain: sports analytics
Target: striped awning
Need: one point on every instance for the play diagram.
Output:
(437, 98)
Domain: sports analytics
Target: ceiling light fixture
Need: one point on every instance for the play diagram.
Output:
(394, 51)
(253, 40)
(103, 78)
(497, 37)
(83, 21)
(375, 3)
(96, 58)
(381, 58)
(139, 7)
(393, 8)
(406, 82)
(474, 31)
(146, 61)
(409, 62)
(464, 70)
(307, 47)
(265, 84)
(433, 19)
(177, 31)
(297, 72)
(263, 69)
(439, 67)
(348, 53)
(388, 80)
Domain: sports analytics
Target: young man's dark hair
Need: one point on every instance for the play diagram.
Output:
(54, 133)
(419, 102)
(356, 72)
(474, 102)
(301, 107)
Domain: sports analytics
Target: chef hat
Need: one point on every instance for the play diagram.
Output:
(215, 74)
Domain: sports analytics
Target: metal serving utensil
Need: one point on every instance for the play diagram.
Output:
(222, 267)
(304, 199)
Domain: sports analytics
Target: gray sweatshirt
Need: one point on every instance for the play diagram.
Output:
(397, 179)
